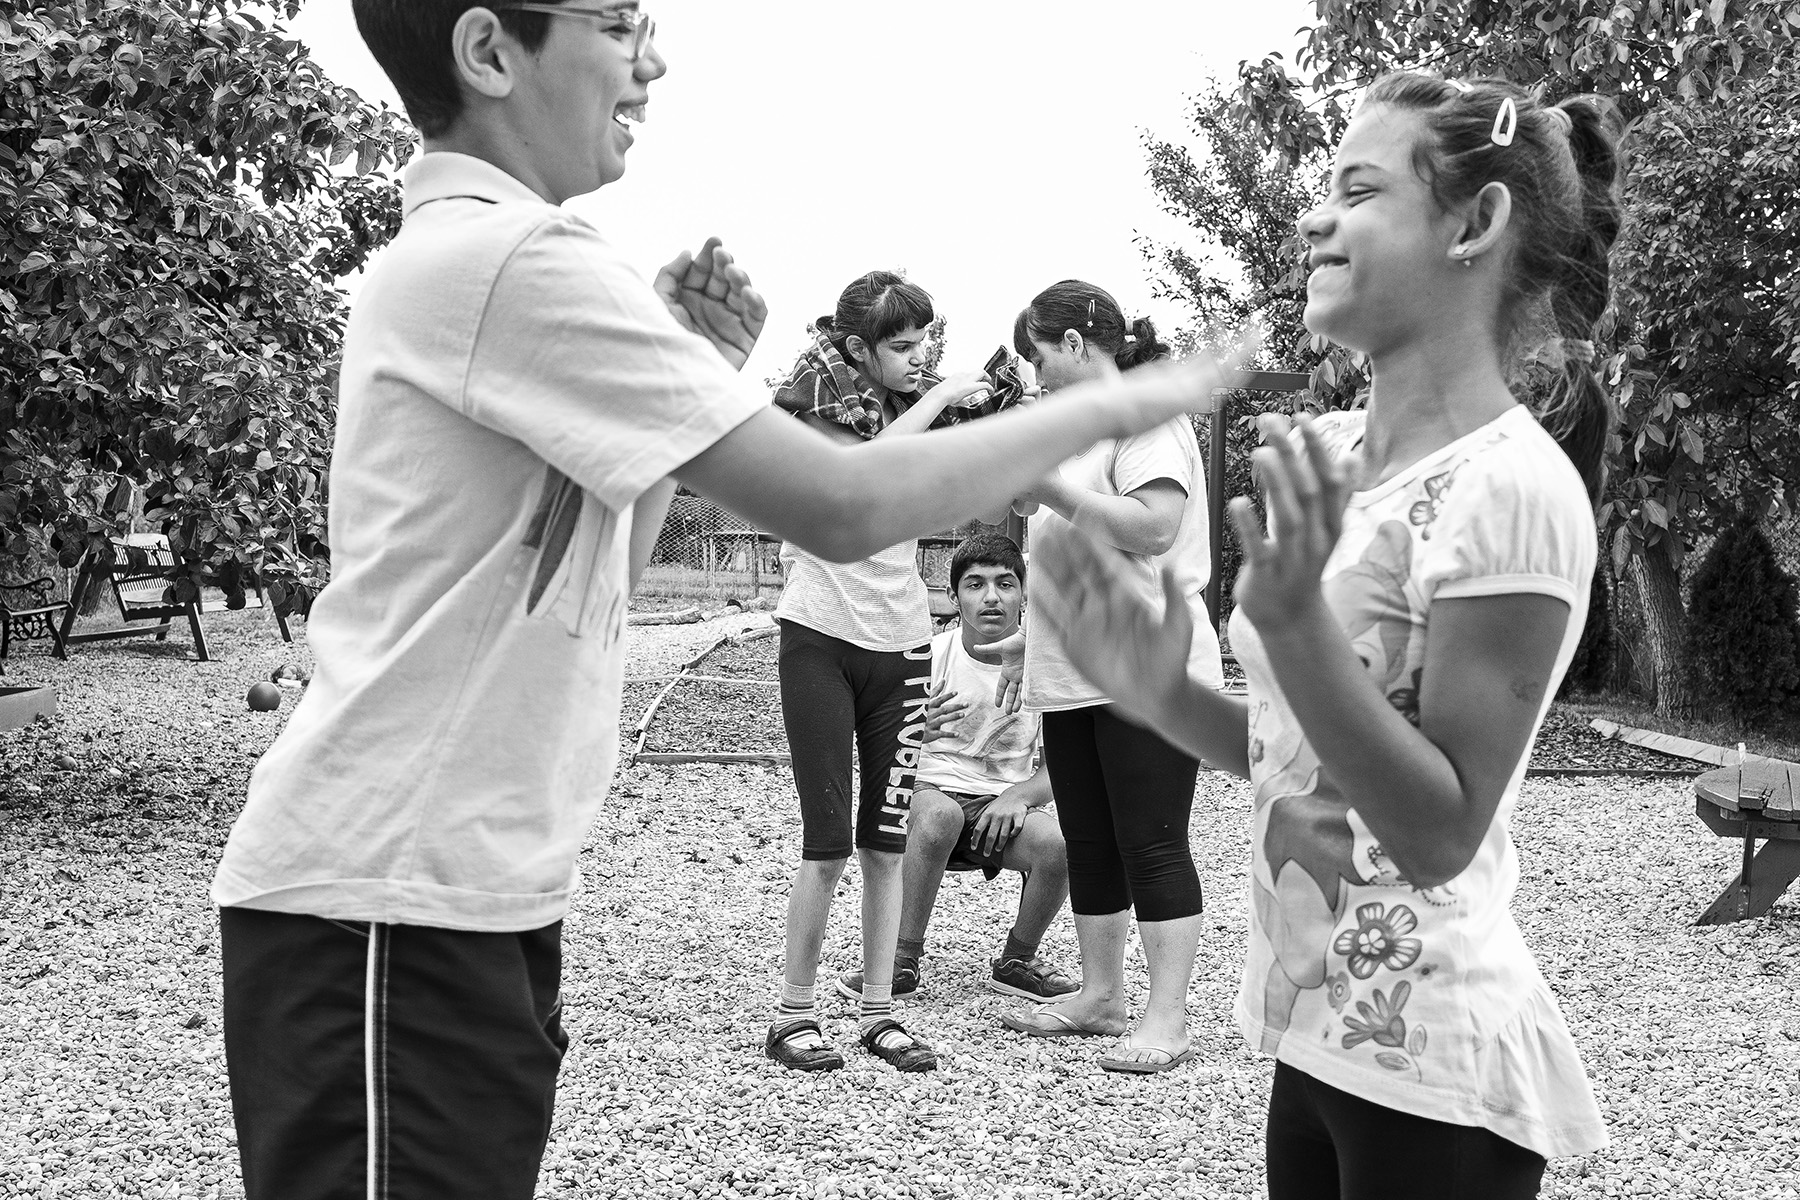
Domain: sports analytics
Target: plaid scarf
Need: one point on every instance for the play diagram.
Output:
(823, 384)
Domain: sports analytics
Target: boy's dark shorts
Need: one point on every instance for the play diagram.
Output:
(966, 855)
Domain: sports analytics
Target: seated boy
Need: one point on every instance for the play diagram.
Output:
(978, 804)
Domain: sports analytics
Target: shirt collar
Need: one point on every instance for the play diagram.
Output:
(442, 174)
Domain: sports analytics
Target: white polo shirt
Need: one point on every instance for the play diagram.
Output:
(509, 387)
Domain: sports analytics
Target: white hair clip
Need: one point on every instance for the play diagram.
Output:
(1506, 123)
(1460, 86)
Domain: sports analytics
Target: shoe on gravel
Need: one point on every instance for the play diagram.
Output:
(906, 980)
(780, 1046)
(889, 1041)
(1030, 979)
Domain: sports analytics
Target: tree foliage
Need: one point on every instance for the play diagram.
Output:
(1708, 338)
(176, 203)
(1703, 348)
(1247, 201)
(1741, 624)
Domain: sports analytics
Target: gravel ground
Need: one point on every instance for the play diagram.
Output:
(111, 1068)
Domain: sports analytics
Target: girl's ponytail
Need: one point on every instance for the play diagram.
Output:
(1141, 346)
(1578, 412)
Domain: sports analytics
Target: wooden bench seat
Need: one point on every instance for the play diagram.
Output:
(139, 579)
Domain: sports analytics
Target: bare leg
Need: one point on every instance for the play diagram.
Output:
(881, 887)
(932, 827)
(1100, 1004)
(1038, 854)
(1169, 948)
(809, 904)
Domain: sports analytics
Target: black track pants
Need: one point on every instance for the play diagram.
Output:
(389, 1060)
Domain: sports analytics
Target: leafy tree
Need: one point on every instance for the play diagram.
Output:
(1741, 628)
(1592, 665)
(1705, 348)
(1247, 201)
(175, 204)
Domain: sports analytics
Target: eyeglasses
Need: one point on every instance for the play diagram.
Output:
(643, 29)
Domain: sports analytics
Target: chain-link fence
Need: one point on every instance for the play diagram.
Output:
(708, 552)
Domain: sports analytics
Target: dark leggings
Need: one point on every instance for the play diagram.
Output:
(1123, 796)
(1324, 1144)
(831, 692)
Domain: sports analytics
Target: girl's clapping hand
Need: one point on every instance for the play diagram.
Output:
(1111, 632)
(1305, 492)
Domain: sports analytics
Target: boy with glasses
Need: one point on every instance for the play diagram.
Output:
(516, 405)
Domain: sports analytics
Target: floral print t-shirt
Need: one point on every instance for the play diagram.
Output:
(1422, 1000)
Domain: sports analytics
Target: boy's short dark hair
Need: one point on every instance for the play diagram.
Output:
(411, 41)
(986, 550)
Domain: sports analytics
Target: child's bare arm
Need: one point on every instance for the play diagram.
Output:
(847, 502)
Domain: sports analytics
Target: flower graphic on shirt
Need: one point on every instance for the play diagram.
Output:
(1381, 1022)
(1379, 940)
(1425, 511)
(1337, 991)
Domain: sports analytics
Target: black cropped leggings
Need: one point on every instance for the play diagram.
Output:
(1326, 1144)
(833, 692)
(1123, 796)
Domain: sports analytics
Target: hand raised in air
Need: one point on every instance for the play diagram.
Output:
(711, 296)
(1305, 491)
(1110, 629)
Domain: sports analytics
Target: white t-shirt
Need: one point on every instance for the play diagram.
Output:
(1427, 1002)
(1117, 467)
(878, 603)
(986, 751)
(509, 387)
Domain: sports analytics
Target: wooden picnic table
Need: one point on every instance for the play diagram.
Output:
(1759, 798)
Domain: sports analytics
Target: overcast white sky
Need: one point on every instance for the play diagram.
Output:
(986, 147)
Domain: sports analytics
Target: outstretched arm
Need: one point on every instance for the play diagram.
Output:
(847, 502)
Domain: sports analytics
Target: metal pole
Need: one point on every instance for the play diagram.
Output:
(1015, 528)
(1215, 504)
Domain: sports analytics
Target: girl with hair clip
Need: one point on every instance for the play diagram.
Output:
(1404, 623)
(1123, 794)
(855, 663)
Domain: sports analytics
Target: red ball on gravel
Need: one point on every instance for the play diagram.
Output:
(264, 697)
